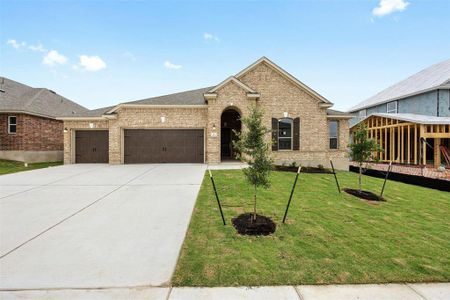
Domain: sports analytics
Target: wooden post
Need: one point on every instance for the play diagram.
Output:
(386, 144)
(409, 145)
(437, 152)
(402, 143)
(415, 144)
(392, 158)
(398, 143)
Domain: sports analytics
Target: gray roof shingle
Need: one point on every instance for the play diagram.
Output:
(18, 97)
(433, 77)
(192, 97)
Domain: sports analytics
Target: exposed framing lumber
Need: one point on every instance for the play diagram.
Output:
(402, 141)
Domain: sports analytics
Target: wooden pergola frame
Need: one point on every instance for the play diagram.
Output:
(404, 142)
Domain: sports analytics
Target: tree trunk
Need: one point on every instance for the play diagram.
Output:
(254, 204)
(360, 177)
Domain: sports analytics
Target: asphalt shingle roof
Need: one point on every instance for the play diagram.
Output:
(192, 97)
(433, 77)
(18, 97)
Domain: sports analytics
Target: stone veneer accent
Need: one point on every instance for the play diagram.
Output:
(278, 95)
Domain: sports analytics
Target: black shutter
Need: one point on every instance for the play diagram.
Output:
(274, 134)
(296, 145)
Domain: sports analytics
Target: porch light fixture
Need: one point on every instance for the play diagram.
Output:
(66, 130)
(286, 114)
(91, 125)
(214, 126)
(163, 119)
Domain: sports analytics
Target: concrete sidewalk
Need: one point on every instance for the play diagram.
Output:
(420, 291)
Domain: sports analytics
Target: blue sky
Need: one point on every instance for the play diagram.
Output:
(100, 53)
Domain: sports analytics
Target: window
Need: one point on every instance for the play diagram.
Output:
(285, 134)
(12, 124)
(391, 107)
(362, 114)
(333, 132)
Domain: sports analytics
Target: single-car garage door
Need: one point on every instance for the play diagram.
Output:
(163, 146)
(91, 146)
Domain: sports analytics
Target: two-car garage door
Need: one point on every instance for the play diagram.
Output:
(163, 146)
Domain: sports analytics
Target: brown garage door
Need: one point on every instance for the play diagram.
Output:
(91, 146)
(163, 146)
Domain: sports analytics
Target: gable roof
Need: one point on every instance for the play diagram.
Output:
(434, 77)
(16, 97)
(236, 81)
(284, 74)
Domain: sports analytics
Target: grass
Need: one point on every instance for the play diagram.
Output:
(328, 238)
(10, 166)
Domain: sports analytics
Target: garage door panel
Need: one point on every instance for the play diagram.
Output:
(163, 146)
(91, 146)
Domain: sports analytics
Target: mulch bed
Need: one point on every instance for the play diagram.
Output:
(261, 226)
(304, 169)
(366, 195)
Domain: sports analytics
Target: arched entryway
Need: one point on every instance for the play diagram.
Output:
(229, 122)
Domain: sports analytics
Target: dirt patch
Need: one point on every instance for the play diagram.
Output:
(304, 169)
(366, 195)
(245, 225)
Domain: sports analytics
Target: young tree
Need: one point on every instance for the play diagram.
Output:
(362, 149)
(254, 150)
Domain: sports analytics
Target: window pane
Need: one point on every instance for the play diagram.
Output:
(12, 128)
(12, 120)
(333, 129)
(392, 107)
(285, 143)
(285, 128)
(333, 143)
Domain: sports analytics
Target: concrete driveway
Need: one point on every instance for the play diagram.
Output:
(94, 226)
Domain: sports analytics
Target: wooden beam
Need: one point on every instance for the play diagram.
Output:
(398, 144)
(402, 145)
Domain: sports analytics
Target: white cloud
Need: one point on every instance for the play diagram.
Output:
(210, 37)
(37, 47)
(54, 58)
(92, 63)
(386, 7)
(170, 65)
(15, 44)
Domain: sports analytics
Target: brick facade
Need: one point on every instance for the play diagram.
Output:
(33, 134)
(278, 96)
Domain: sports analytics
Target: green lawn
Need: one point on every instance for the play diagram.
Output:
(329, 237)
(10, 166)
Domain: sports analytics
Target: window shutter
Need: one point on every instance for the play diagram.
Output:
(274, 134)
(296, 141)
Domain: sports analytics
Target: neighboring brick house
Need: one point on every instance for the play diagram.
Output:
(29, 130)
(197, 125)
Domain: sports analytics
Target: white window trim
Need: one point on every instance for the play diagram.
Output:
(392, 111)
(9, 124)
(333, 137)
(291, 137)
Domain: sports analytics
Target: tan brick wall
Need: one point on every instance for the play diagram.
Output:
(280, 95)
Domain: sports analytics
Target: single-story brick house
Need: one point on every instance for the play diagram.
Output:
(197, 126)
(29, 130)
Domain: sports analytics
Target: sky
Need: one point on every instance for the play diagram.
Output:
(100, 53)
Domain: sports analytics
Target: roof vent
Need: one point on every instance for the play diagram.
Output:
(1, 86)
(52, 91)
